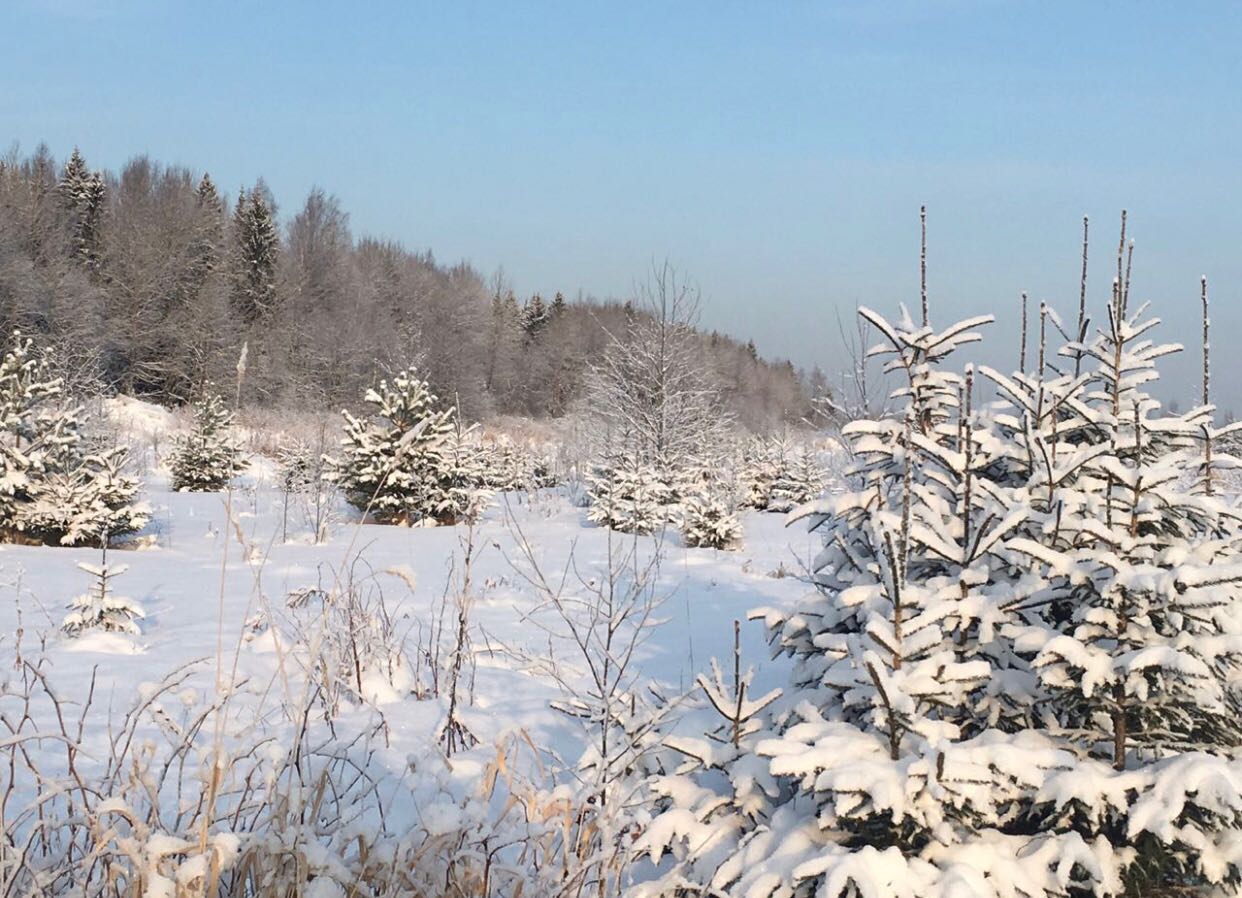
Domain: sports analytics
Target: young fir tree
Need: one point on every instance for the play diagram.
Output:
(731, 792)
(99, 608)
(708, 517)
(799, 479)
(628, 496)
(56, 487)
(758, 467)
(395, 463)
(83, 494)
(461, 488)
(206, 459)
(505, 466)
(1050, 548)
(294, 474)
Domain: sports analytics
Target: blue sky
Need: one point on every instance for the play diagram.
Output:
(777, 152)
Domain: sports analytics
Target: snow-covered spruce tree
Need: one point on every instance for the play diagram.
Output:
(256, 246)
(1018, 676)
(627, 495)
(462, 491)
(799, 480)
(505, 466)
(545, 471)
(57, 486)
(83, 198)
(407, 462)
(1140, 644)
(84, 498)
(100, 608)
(708, 515)
(871, 751)
(757, 469)
(206, 459)
(295, 463)
(719, 790)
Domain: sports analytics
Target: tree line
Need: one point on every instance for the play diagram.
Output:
(150, 280)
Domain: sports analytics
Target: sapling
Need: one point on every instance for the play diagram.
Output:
(99, 607)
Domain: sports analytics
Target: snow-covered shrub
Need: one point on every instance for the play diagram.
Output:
(1019, 673)
(278, 801)
(628, 496)
(57, 485)
(100, 607)
(206, 459)
(348, 642)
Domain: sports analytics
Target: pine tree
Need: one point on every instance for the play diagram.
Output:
(394, 463)
(206, 459)
(100, 608)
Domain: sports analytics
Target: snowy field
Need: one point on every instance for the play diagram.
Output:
(236, 614)
(203, 576)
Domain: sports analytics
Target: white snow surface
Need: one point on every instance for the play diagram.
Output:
(202, 581)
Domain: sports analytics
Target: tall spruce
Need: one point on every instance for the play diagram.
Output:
(83, 197)
(256, 244)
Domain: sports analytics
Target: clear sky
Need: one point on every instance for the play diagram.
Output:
(776, 151)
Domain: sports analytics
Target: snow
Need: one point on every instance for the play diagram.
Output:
(214, 581)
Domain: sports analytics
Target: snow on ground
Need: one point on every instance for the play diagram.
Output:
(202, 580)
